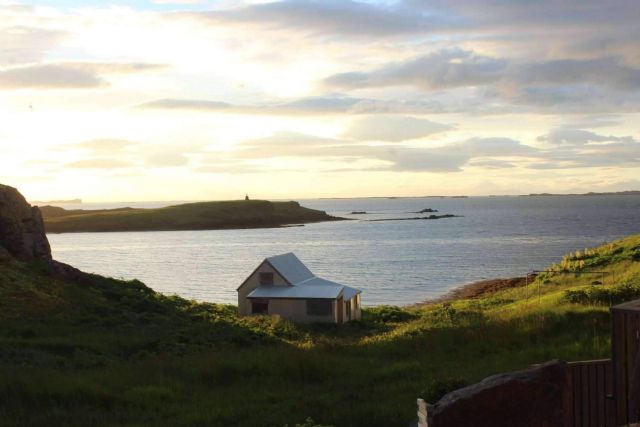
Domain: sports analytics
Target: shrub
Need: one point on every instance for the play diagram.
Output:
(388, 314)
(597, 295)
(308, 423)
(437, 388)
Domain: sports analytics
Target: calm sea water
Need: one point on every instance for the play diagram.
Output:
(393, 262)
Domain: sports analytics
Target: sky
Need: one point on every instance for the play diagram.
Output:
(209, 100)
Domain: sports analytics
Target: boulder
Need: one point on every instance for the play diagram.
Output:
(528, 398)
(22, 231)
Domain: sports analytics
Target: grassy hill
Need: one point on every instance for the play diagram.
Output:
(190, 216)
(108, 352)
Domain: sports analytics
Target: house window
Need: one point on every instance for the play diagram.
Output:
(260, 307)
(266, 278)
(319, 307)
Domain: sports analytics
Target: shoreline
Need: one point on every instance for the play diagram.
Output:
(474, 290)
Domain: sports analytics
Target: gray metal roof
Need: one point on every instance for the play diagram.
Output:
(290, 267)
(303, 282)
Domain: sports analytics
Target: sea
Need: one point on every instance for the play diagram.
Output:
(398, 262)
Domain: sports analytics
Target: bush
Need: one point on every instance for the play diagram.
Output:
(388, 314)
(437, 388)
(308, 423)
(597, 295)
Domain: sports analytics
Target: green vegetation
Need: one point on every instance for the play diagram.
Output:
(190, 216)
(109, 352)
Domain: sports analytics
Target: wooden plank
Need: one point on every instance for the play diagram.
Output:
(596, 396)
(610, 405)
(568, 398)
(584, 379)
(577, 396)
(630, 332)
(618, 340)
(634, 341)
(602, 395)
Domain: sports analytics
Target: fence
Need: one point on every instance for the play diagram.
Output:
(590, 394)
(595, 393)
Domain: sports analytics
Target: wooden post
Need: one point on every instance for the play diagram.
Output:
(625, 346)
(422, 414)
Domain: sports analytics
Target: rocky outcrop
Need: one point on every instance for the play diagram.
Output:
(22, 232)
(530, 398)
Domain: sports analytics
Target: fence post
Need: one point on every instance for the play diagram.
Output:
(422, 413)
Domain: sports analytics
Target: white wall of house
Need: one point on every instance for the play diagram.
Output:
(296, 310)
(244, 304)
(291, 309)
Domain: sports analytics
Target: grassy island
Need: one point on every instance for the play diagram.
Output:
(189, 216)
(108, 352)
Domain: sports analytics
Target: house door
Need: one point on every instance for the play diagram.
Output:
(340, 308)
(347, 307)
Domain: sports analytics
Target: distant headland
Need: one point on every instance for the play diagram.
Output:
(189, 216)
(58, 202)
(611, 193)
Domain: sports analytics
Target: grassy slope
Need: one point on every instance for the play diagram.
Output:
(112, 352)
(190, 216)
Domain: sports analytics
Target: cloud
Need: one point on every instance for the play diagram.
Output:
(166, 159)
(176, 1)
(393, 128)
(24, 44)
(99, 163)
(100, 146)
(605, 71)
(453, 68)
(596, 151)
(447, 158)
(312, 105)
(68, 75)
(328, 18)
(572, 136)
(578, 148)
(449, 68)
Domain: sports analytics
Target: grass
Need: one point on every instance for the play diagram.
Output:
(190, 216)
(109, 352)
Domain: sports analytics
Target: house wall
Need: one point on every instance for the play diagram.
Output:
(296, 310)
(252, 282)
(356, 312)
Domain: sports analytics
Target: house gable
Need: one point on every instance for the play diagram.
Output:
(270, 268)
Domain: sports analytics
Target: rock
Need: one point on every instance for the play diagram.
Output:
(358, 213)
(528, 398)
(22, 231)
(427, 210)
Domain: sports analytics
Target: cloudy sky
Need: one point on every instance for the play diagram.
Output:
(192, 100)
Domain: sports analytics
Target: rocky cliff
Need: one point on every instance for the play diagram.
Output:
(22, 232)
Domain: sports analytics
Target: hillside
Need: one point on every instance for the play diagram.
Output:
(190, 216)
(79, 349)
(101, 351)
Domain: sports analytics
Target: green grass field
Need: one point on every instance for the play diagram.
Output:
(189, 216)
(109, 352)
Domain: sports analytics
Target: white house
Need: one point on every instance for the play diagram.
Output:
(283, 285)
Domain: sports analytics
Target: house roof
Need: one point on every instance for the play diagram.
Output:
(290, 267)
(303, 283)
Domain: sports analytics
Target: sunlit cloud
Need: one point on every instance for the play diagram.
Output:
(299, 96)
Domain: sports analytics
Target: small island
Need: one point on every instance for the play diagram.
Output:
(189, 216)
(419, 218)
(427, 210)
